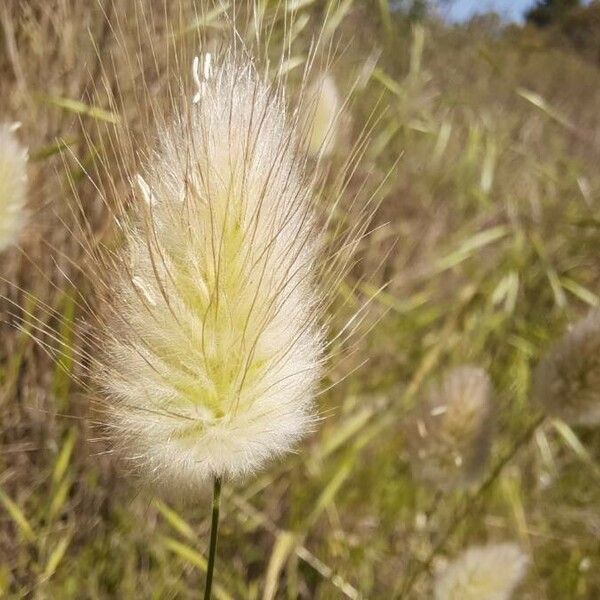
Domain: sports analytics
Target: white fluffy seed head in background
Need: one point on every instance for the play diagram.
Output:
(449, 438)
(566, 383)
(490, 572)
(13, 186)
(323, 115)
(213, 346)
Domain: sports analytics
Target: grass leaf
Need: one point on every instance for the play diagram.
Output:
(17, 516)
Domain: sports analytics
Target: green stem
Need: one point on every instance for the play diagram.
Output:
(214, 529)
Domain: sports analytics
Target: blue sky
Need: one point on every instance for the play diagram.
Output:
(512, 10)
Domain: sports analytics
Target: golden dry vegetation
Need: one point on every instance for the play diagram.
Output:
(486, 144)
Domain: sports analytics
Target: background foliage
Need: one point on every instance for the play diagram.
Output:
(491, 136)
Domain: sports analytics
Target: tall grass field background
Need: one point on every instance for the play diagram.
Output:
(480, 149)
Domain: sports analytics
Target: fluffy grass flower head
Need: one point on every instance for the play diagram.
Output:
(483, 573)
(13, 185)
(323, 115)
(214, 337)
(449, 438)
(566, 383)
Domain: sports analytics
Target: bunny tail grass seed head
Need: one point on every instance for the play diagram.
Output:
(213, 341)
(13, 185)
(566, 383)
(323, 115)
(483, 573)
(449, 438)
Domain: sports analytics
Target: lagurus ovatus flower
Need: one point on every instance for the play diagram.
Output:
(323, 114)
(566, 383)
(13, 186)
(489, 572)
(449, 437)
(213, 342)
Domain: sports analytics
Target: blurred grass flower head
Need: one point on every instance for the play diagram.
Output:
(13, 185)
(566, 382)
(489, 572)
(323, 115)
(449, 438)
(214, 343)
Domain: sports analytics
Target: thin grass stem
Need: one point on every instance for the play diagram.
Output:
(214, 530)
